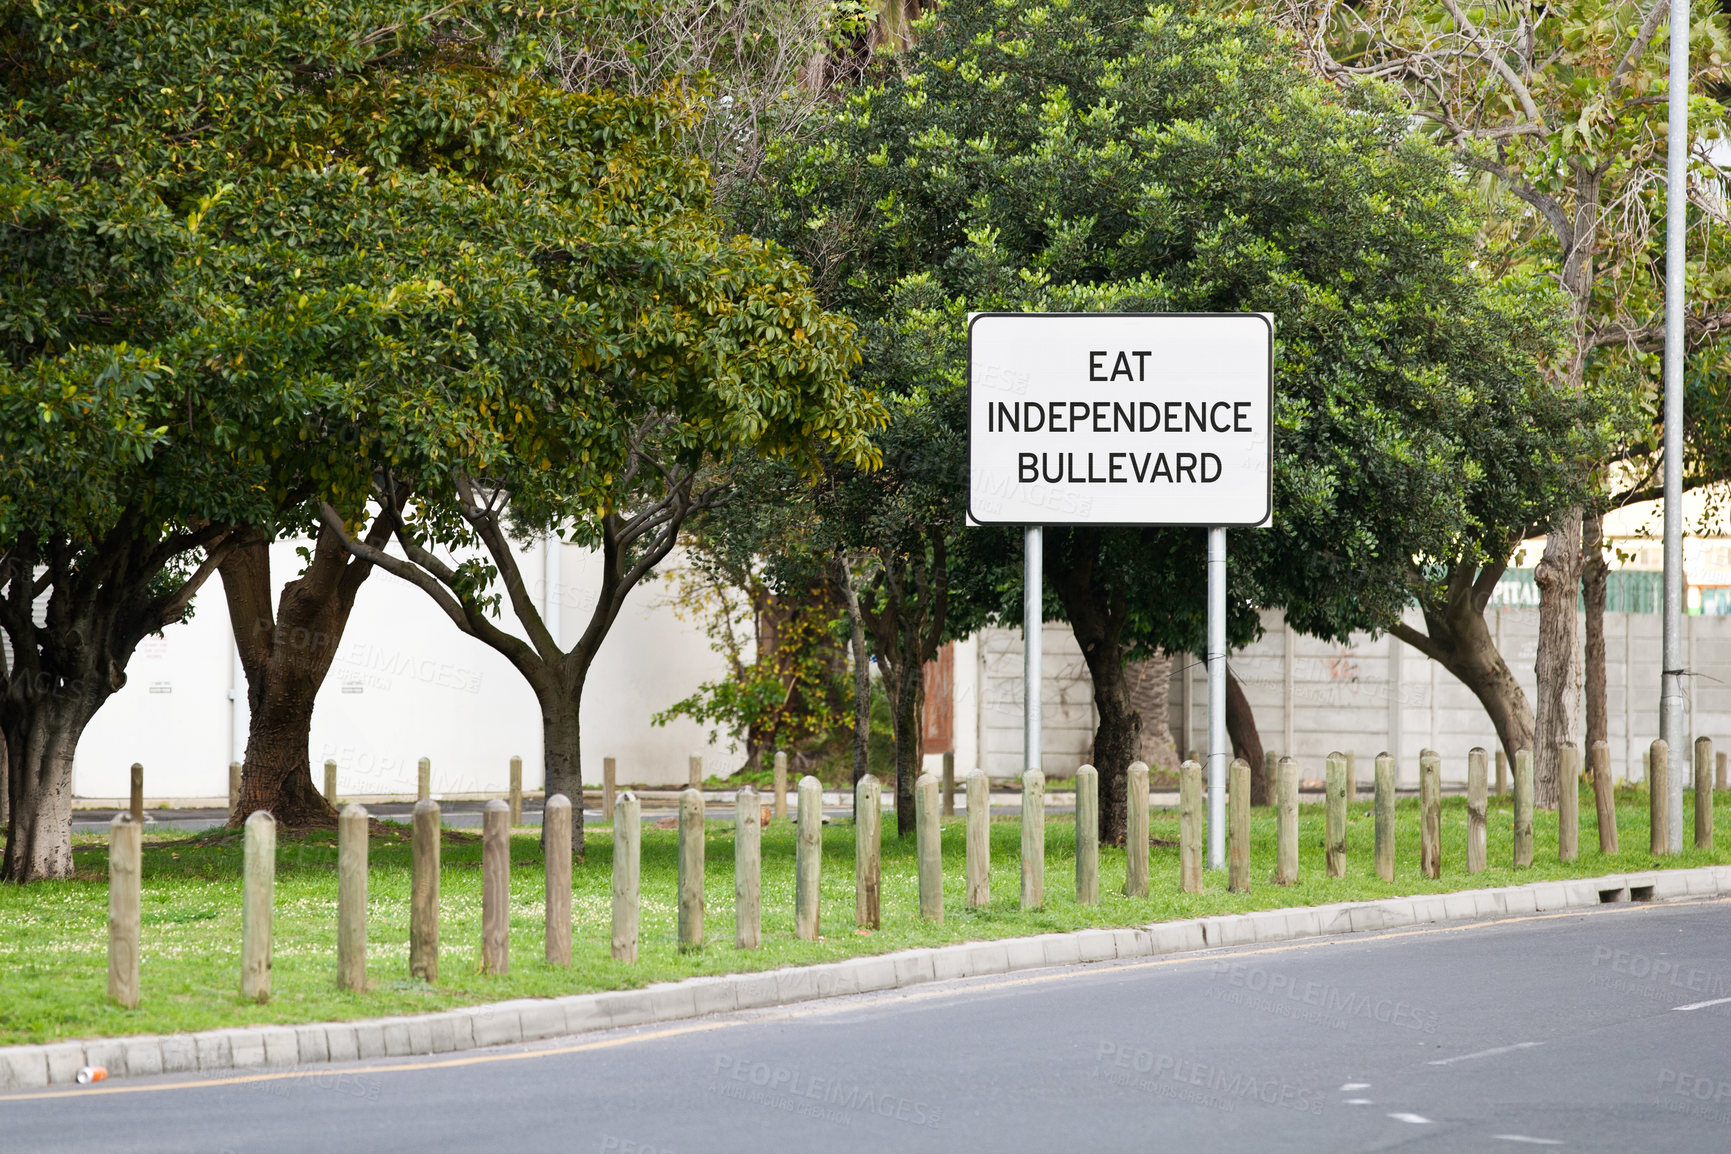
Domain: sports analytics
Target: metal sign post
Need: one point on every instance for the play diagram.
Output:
(1033, 546)
(1123, 419)
(1216, 657)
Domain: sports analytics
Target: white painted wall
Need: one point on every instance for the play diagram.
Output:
(407, 684)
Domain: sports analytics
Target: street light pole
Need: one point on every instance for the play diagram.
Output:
(1676, 304)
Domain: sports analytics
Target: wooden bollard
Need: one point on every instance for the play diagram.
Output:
(1478, 830)
(1334, 815)
(424, 894)
(351, 897)
(125, 874)
(696, 771)
(949, 783)
(515, 796)
(867, 852)
(258, 888)
(780, 786)
(1568, 801)
(609, 782)
(1087, 836)
(233, 786)
(929, 847)
(1604, 796)
(423, 779)
(1285, 822)
(808, 861)
(1238, 826)
(137, 799)
(1703, 793)
(1658, 786)
(1271, 768)
(331, 781)
(1384, 770)
(747, 870)
(1430, 813)
(496, 888)
(556, 856)
(1502, 772)
(691, 865)
(1136, 831)
(1190, 827)
(1033, 839)
(1523, 855)
(627, 870)
(1351, 777)
(1719, 771)
(979, 864)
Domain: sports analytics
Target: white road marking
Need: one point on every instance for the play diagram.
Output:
(1415, 1119)
(1358, 1102)
(1484, 1053)
(1701, 1005)
(1531, 1141)
(1354, 1086)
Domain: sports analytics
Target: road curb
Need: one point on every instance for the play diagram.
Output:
(534, 1019)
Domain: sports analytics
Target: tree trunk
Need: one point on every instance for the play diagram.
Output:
(862, 673)
(1150, 691)
(41, 741)
(1558, 663)
(1246, 741)
(286, 656)
(1457, 638)
(1118, 738)
(1594, 577)
(562, 754)
(103, 597)
(907, 689)
(1097, 617)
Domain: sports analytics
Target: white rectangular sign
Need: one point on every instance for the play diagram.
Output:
(1120, 418)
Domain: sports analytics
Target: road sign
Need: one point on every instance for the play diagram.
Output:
(1120, 418)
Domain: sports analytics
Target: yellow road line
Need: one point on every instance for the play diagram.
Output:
(825, 1004)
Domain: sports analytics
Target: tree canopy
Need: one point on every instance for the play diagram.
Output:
(1063, 157)
(265, 262)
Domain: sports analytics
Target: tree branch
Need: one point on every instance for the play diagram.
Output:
(1699, 330)
(1495, 57)
(437, 580)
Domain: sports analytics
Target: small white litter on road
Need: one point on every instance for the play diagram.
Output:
(1530, 1141)
(1415, 1119)
(1350, 1086)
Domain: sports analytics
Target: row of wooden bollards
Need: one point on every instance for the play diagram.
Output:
(125, 850)
(258, 887)
(1339, 789)
(868, 901)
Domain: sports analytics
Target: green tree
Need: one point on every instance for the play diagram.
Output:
(1068, 159)
(625, 357)
(1562, 110)
(157, 405)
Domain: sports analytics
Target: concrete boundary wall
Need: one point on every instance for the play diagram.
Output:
(1368, 696)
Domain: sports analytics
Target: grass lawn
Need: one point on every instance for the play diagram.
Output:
(53, 936)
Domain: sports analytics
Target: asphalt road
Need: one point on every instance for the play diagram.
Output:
(1572, 1031)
